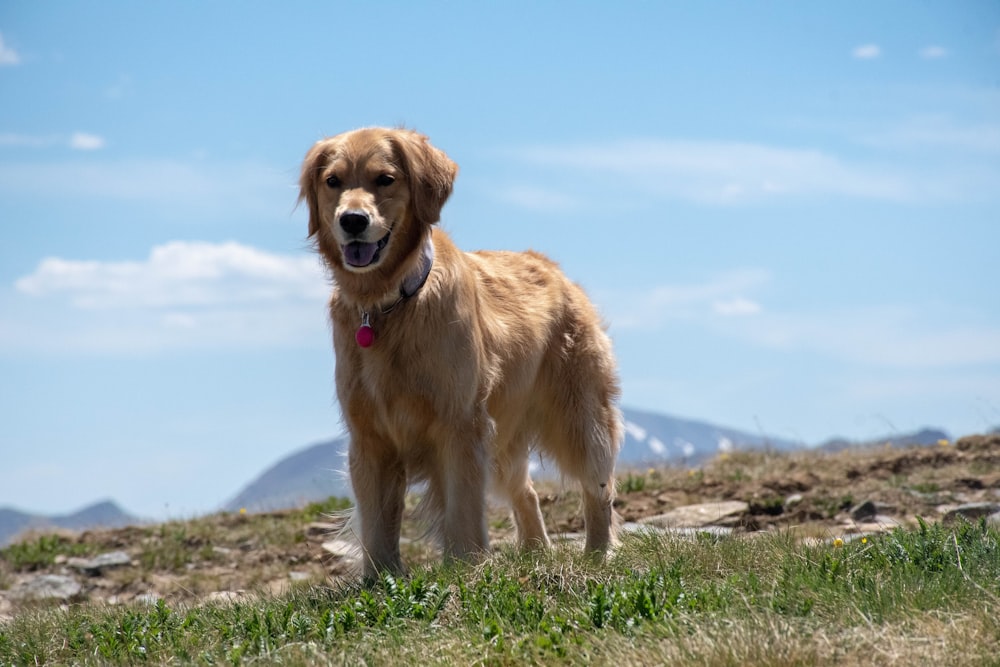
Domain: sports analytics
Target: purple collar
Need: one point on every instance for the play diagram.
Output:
(365, 335)
(413, 282)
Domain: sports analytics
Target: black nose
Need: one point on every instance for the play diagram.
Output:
(354, 223)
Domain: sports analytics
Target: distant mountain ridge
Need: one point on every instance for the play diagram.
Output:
(921, 438)
(306, 475)
(104, 514)
(318, 471)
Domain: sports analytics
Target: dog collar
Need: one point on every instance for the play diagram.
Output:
(365, 335)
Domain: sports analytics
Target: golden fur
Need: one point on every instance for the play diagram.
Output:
(497, 353)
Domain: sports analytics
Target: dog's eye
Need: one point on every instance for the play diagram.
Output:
(333, 182)
(384, 180)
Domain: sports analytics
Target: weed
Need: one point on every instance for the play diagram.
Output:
(631, 483)
(40, 552)
(926, 487)
(323, 510)
(830, 506)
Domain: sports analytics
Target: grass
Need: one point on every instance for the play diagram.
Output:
(927, 595)
(41, 552)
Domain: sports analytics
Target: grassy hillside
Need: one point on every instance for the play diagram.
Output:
(792, 584)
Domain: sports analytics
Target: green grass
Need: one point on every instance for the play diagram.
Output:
(923, 596)
(41, 552)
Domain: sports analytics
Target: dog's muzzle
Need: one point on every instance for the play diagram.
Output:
(360, 253)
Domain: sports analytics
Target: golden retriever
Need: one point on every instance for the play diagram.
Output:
(452, 366)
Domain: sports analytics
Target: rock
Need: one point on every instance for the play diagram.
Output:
(648, 528)
(223, 597)
(971, 512)
(568, 538)
(863, 512)
(714, 531)
(94, 566)
(697, 516)
(793, 500)
(875, 524)
(342, 548)
(633, 527)
(46, 587)
(988, 442)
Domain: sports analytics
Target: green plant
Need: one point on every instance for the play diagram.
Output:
(631, 483)
(40, 552)
(324, 509)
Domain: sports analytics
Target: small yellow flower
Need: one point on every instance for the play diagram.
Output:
(651, 471)
(864, 540)
(243, 511)
(944, 442)
(838, 542)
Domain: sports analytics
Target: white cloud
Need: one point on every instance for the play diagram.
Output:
(78, 141)
(721, 295)
(211, 188)
(721, 173)
(180, 273)
(8, 56)
(537, 199)
(877, 336)
(184, 294)
(936, 132)
(933, 52)
(866, 52)
(885, 336)
(83, 141)
(27, 140)
(735, 307)
(715, 172)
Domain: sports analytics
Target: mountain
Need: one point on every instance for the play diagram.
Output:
(319, 471)
(310, 474)
(104, 514)
(921, 438)
(653, 438)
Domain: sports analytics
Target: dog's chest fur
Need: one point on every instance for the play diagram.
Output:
(480, 363)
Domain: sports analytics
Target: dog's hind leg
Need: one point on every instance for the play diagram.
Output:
(511, 479)
(598, 513)
(584, 443)
(582, 427)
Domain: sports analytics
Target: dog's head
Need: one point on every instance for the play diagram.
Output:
(373, 195)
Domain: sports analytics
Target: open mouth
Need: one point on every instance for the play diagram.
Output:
(360, 254)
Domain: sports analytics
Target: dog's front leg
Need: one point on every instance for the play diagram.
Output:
(379, 482)
(465, 535)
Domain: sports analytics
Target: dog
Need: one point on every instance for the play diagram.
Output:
(452, 367)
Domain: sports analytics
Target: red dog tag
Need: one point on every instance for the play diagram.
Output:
(365, 335)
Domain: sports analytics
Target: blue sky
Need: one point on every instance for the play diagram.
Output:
(789, 214)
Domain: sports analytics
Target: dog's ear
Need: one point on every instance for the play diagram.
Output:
(311, 167)
(430, 172)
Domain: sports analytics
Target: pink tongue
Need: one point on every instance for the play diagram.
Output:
(360, 254)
